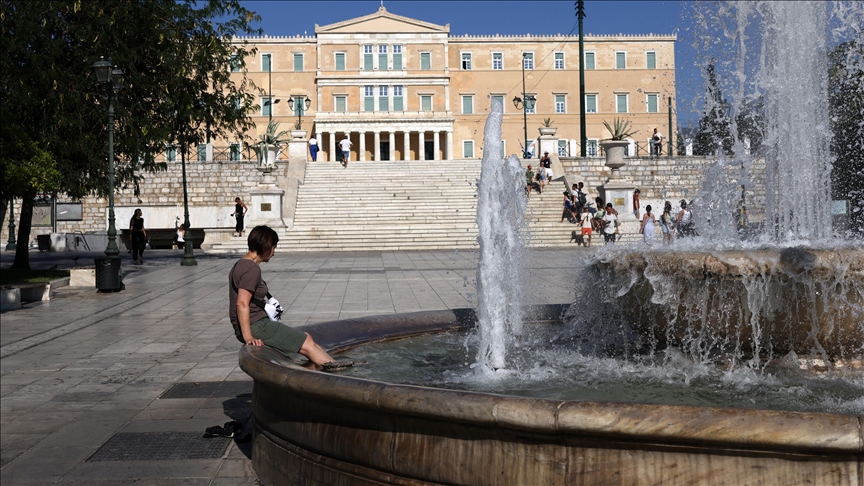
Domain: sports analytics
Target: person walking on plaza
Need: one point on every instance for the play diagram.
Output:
(345, 146)
(239, 212)
(529, 181)
(667, 224)
(610, 228)
(247, 291)
(586, 224)
(647, 227)
(313, 148)
(636, 203)
(138, 235)
(569, 211)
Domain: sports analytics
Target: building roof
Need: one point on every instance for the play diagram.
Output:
(381, 22)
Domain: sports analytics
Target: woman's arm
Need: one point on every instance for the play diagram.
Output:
(244, 298)
(244, 208)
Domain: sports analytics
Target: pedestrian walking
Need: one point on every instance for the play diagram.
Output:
(647, 226)
(313, 148)
(138, 235)
(239, 212)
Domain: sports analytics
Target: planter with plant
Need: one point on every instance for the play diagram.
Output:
(614, 145)
(298, 131)
(547, 128)
(271, 141)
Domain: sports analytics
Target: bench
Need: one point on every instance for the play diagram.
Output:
(162, 238)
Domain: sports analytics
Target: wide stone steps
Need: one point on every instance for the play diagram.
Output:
(405, 206)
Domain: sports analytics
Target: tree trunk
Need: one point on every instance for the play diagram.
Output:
(22, 249)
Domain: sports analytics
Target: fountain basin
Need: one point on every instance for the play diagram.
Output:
(315, 428)
(804, 300)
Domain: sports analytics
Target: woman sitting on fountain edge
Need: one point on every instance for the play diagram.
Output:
(252, 326)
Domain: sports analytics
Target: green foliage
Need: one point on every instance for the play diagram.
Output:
(620, 129)
(714, 126)
(25, 168)
(272, 136)
(547, 122)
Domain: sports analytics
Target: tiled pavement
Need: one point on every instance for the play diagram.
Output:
(85, 372)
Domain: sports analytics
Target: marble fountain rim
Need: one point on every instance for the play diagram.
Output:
(726, 428)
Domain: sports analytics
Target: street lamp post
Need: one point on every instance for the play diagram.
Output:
(188, 253)
(525, 103)
(583, 131)
(113, 78)
(295, 100)
(270, 101)
(10, 244)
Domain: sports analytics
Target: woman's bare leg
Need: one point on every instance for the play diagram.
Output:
(315, 353)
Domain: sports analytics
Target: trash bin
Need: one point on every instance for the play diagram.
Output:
(44, 242)
(108, 275)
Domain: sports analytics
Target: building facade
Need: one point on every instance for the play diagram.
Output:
(404, 89)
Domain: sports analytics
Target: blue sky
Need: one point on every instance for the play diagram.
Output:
(505, 17)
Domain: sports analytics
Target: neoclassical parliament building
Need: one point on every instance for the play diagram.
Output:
(405, 89)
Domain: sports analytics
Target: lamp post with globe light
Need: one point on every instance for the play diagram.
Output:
(113, 79)
(526, 104)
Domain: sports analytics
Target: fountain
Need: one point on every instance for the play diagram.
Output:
(744, 311)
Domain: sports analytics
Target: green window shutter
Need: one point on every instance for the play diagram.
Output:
(367, 62)
(620, 60)
(369, 103)
(397, 62)
(425, 103)
(651, 60)
(383, 104)
(652, 103)
(467, 105)
(468, 149)
(298, 62)
(202, 152)
(589, 60)
(382, 62)
(622, 103)
(397, 103)
(266, 62)
(425, 61)
(500, 97)
(340, 104)
(591, 103)
(340, 61)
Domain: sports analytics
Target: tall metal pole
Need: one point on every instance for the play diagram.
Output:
(112, 251)
(671, 129)
(188, 256)
(10, 243)
(583, 132)
(524, 109)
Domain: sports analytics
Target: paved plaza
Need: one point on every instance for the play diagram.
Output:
(118, 388)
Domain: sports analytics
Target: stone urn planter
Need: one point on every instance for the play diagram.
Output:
(548, 130)
(267, 154)
(298, 134)
(614, 150)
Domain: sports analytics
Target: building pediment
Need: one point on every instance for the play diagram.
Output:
(382, 22)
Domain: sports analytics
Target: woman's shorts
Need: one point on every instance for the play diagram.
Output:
(586, 231)
(665, 228)
(285, 339)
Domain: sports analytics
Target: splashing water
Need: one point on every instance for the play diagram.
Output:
(500, 215)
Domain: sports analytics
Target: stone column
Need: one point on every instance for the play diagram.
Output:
(377, 147)
(449, 145)
(362, 155)
(421, 145)
(406, 154)
(332, 147)
(320, 144)
(436, 145)
(392, 146)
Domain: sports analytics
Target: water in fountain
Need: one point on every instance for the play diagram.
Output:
(500, 216)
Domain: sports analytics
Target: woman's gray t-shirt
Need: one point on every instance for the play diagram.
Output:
(246, 274)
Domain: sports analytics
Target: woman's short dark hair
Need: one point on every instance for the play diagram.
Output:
(262, 239)
(648, 208)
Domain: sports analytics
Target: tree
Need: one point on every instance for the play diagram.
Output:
(751, 123)
(49, 96)
(846, 106)
(714, 126)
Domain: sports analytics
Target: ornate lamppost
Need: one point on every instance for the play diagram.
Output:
(188, 254)
(113, 78)
(302, 104)
(10, 244)
(270, 101)
(525, 103)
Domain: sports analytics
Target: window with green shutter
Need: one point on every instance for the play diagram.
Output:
(367, 58)
(382, 58)
(202, 152)
(266, 62)
(235, 63)
(425, 61)
(383, 99)
(235, 152)
(369, 98)
(397, 57)
(468, 149)
(591, 103)
(589, 60)
(651, 60)
(652, 103)
(426, 103)
(397, 98)
(341, 104)
(621, 103)
(467, 105)
(171, 154)
(560, 104)
(500, 98)
(340, 61)
(298, 62)
(620, 60)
